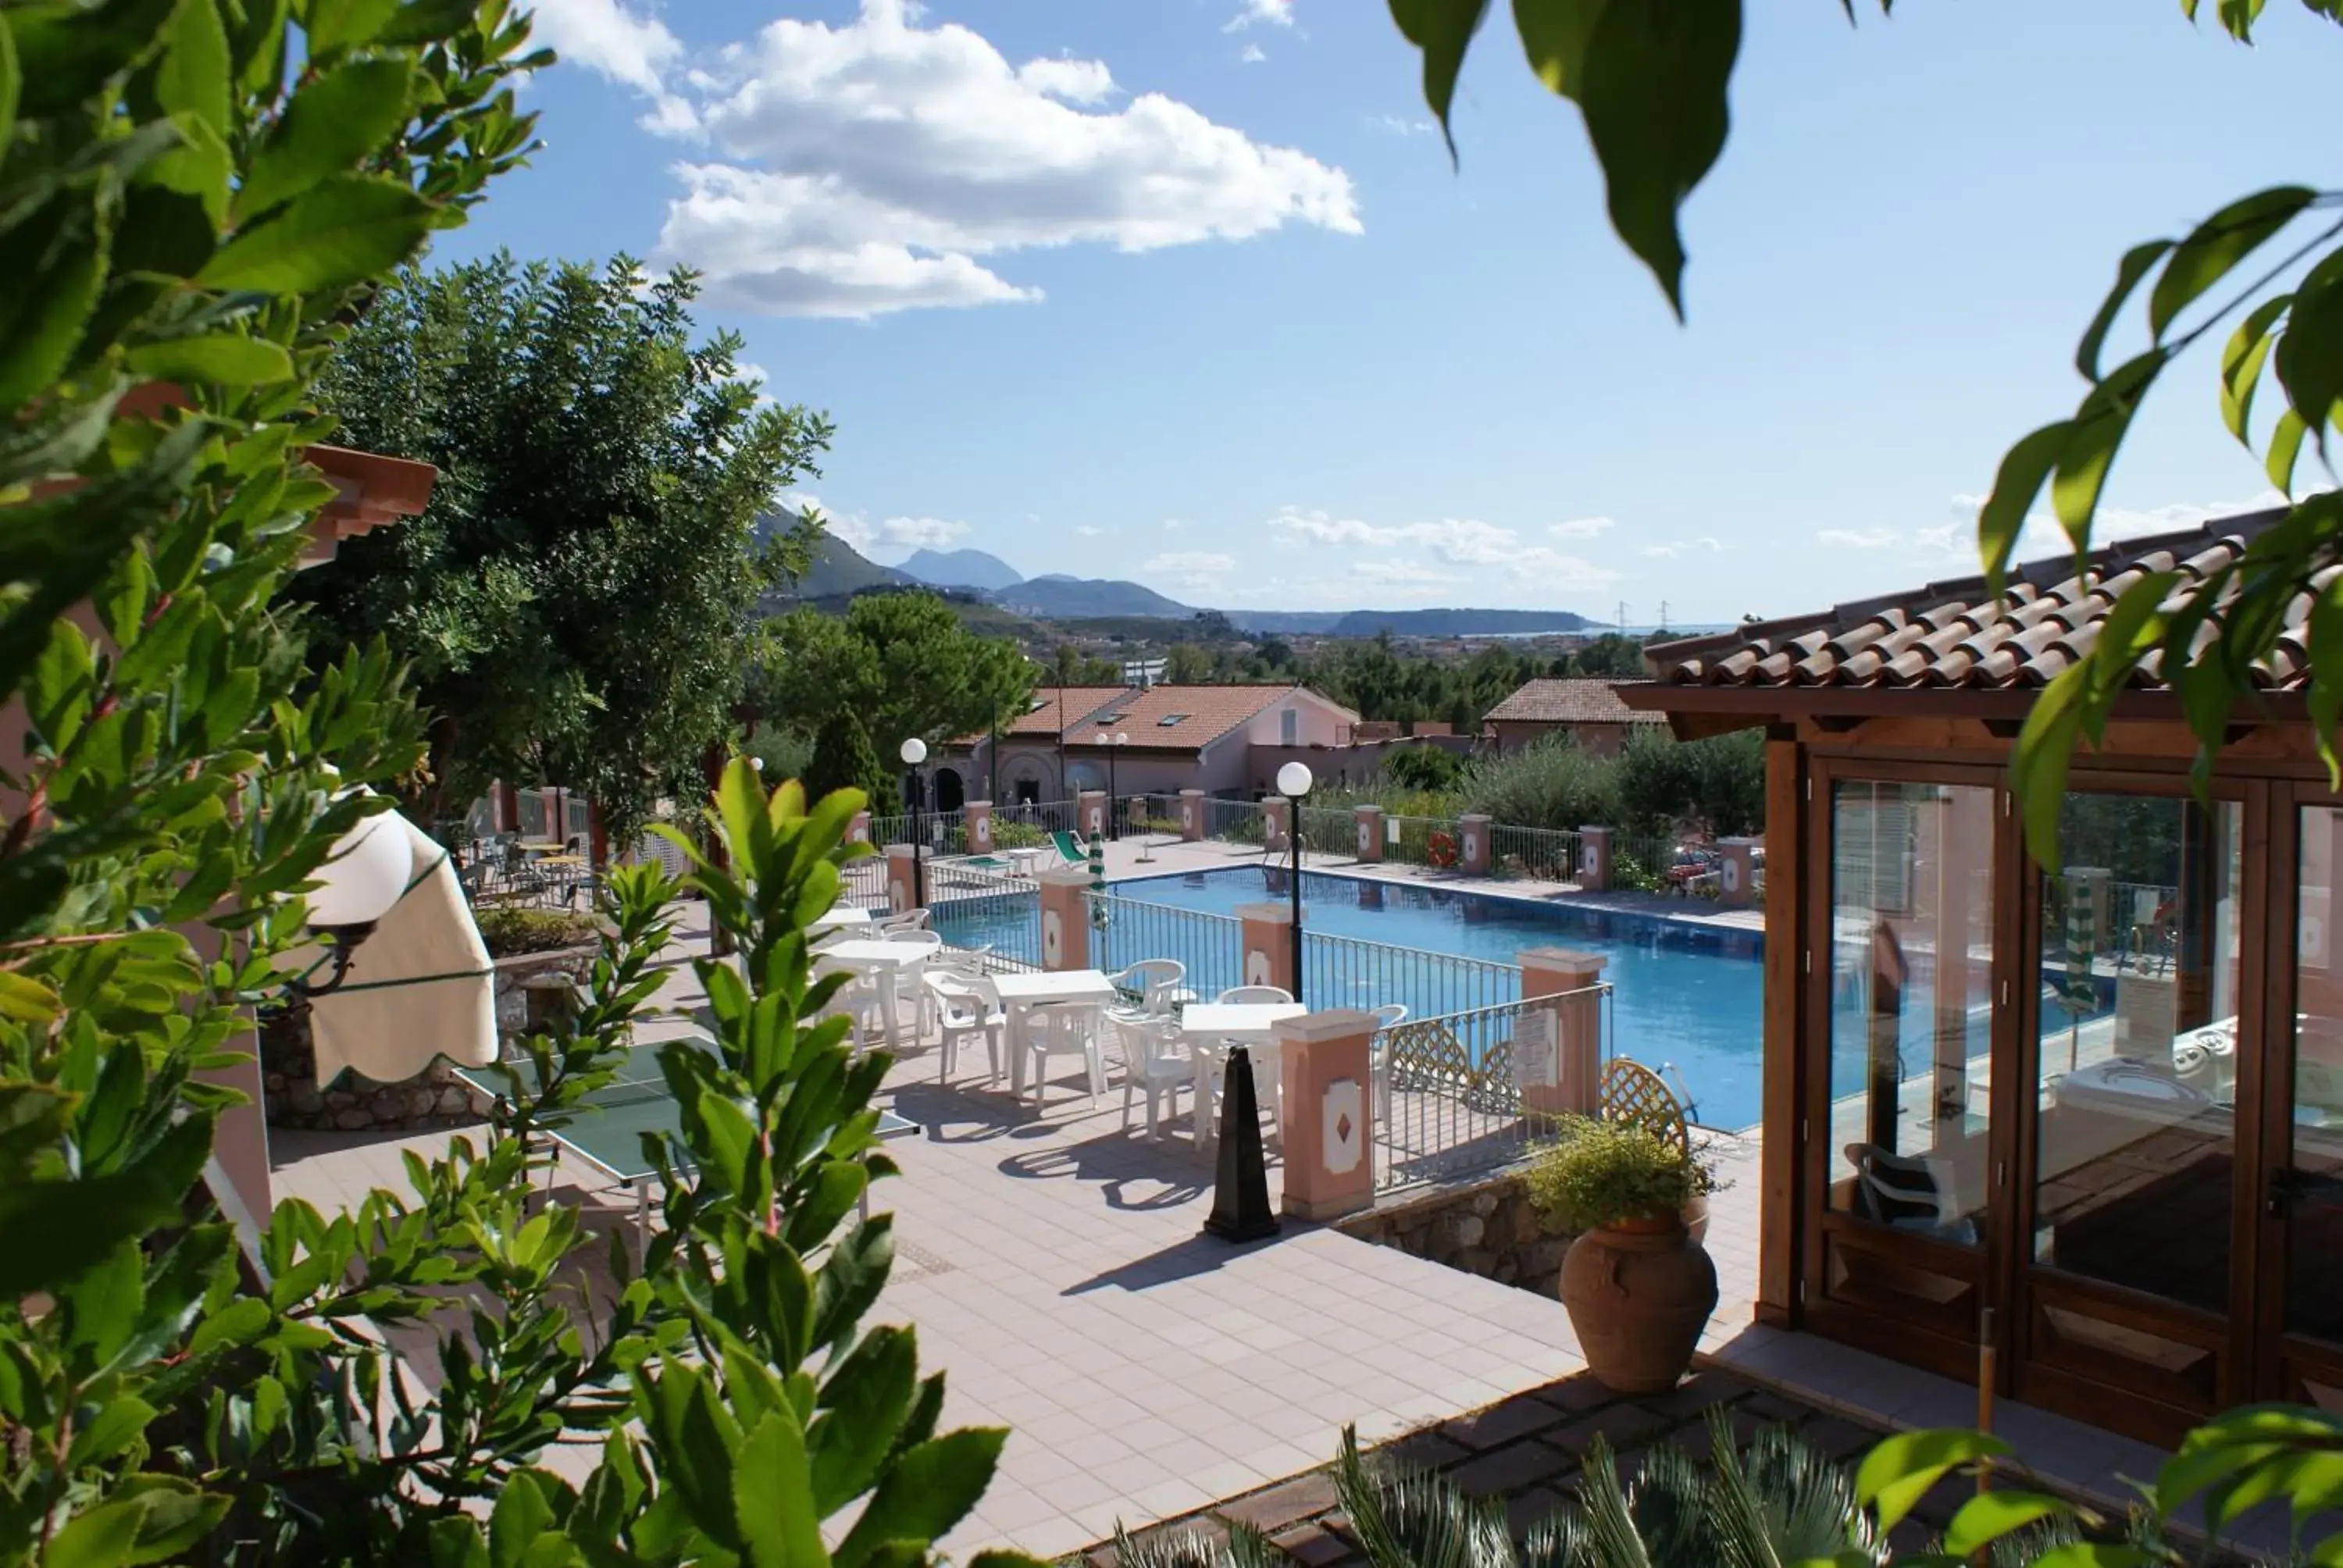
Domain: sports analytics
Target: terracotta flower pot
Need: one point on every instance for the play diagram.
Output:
(1639, 1292)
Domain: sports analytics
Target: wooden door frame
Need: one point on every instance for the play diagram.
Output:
(2275, 1354)
(1946, 1346)
(2071, 1386)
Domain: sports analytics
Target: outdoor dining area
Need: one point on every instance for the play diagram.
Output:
(541, 873)
(1050, 1035)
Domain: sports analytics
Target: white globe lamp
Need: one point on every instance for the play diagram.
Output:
(915, 751)
(1293, 780)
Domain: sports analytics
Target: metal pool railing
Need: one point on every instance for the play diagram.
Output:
(1235, 821)
(1540, 854)
(1351, 971)
(1448, 1099)
(1210, 947)
(980, 910)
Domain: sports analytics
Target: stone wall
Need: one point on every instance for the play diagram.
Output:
(1484, 1227)
(432, 1098)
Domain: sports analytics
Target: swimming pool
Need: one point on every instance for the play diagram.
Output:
(1682, 993)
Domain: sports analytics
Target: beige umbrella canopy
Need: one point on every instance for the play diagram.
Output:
(420, 987)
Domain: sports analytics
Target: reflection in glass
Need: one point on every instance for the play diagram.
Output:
(2313, 1177)
(1911, 1004)
(2136, 1134)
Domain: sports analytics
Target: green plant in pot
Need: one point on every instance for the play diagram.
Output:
(1638, 1286)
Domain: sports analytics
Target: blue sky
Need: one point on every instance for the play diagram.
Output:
(1188, 292)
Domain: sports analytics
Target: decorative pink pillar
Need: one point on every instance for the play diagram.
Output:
(1268, 941)
(1371, 833)
(902, 887)
(1065, 917)
(1276, 813)
(1090, 811)
(858, 827)
(1329, 1132)
(976, 826)
(1595, 858)
(1473, 844)
(1736, 878)
(1192, 816)
(1572, 1031)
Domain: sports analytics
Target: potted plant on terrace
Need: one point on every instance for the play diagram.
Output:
(1639, 1288)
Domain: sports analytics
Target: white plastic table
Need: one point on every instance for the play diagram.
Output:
(1022, 862)
(838, 920)
(867, 954)
(1207, 1025)
(1020, 994)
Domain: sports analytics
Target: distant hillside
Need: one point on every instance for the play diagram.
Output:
(1059, 598)
(1410, 622)
(961, 568)
(837, 569)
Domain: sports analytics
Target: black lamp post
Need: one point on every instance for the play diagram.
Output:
(1113, 819)
(1293, 783)
(915, 751)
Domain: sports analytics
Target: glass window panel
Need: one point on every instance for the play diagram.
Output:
(1911, 1004)
(2137, 1130)
(2314, 1211)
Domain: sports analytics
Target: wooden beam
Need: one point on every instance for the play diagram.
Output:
(1787, 827)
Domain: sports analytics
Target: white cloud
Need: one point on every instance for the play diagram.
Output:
(1460, 541)
(2042, 538)
(1397, 571)
(606, 36)
(1704, 545)
(1401, 126)
(1087, 531)
(1251, 54)
(1276, 13)
(1190, 561)
(1580, 527)
(1857, 539)
(921, 533)
(853, 527)
(866, 167)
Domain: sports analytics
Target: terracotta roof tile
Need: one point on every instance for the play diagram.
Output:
(2046, 620)
(1176, 717)
(1575, 701)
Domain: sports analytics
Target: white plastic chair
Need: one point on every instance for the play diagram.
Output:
(965, 1007)
(909, 991)
(1065, 1029)
(1155, 979)
(1268, 1083)
(1391, 1015)
(896, 925)
(1154, 1062)
(1241, 994)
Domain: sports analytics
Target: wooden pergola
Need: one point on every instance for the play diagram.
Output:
(2097, 1117)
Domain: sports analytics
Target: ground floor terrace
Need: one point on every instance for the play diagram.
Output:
(1052, 1262)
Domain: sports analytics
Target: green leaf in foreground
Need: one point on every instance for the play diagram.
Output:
(348, 229)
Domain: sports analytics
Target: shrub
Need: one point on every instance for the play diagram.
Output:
(1551, 783)
(1018, 836)
(509, 931)
(1600, 1173)
(1421, 766)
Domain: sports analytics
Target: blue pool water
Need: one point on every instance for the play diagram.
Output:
(1683, 994)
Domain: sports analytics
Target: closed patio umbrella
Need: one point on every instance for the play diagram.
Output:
(420, 987)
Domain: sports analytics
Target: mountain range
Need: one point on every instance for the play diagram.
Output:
(840, 571)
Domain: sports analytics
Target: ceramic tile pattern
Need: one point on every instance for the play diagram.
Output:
(1958, 634)
(1570, 701)
(1054, 1266)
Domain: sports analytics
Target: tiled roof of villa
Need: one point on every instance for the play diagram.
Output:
(1957, 635)
(1570, 702)
(1177, 717)
(1052, 706)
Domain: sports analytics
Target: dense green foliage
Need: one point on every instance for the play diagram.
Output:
(574, 600)
(1377, 682)
(1423, 767)
(509, 929)
(898, 663)
(839, 757)
(178, 205)
(1651, 85)
(1655, 786)
(1597, 1173)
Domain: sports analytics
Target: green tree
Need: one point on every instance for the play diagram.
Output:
(1423, 767)
(575, 600)
(900, 664)
(842, 758)
(1186, 664)
(1651, 84)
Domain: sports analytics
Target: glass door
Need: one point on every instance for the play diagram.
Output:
(1900, 1212)
(2303, 1191)
(2128, 1207)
